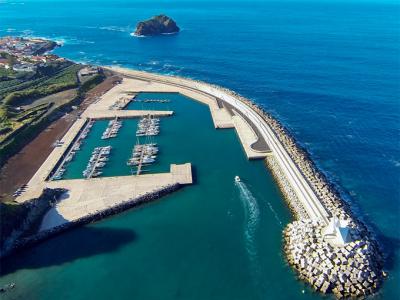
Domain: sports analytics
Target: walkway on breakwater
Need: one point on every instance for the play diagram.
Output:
(260, 144)
(200, 90)
(88, 197)
(124, 114)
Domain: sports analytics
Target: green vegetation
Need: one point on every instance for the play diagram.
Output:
(25, 217)
(65, 79)
(11, 215)
(24, 112)
(7, 74)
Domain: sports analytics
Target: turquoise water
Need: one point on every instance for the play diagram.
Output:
(327, 69)
(120, 152)
(211, 240)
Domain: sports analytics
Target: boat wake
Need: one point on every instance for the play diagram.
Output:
(252, 218)
(275, 214)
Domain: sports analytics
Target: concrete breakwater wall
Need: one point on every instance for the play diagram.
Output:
(96, 216)
(354, 269)
(286, 189)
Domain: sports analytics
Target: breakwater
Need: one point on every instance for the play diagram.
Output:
(353, 269)
(328, 245)
(89, 218)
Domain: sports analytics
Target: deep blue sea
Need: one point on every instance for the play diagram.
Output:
(329, 70)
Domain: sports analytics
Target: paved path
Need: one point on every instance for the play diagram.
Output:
(124, 114)
(260, 144)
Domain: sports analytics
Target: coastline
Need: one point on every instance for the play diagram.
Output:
(307, 191)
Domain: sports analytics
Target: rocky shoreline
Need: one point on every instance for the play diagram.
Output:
(44, 235)
(352, 270)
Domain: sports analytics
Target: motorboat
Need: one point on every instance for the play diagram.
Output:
(237, 179)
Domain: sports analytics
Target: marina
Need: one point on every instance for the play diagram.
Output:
(313, 213)
(327, 71)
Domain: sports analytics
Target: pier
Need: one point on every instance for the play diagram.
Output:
(68, 156)
(112, 129)
(87, 197)
(123, 114)
(153, 101)
(97, 161)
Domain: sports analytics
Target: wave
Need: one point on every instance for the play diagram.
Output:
(395, 162)
(278, 220)
(137, 35)
(115, 28)
(67, 40)
(163, 68)
(144, 36)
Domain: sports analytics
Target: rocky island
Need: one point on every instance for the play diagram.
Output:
(161, 24)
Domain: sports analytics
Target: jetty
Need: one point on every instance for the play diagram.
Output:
(59, 170)
(112, 129)
(148, 126)
(104, 195)
(97, 162)
(145, 154)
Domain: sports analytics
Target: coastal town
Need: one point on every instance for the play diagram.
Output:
(26, 54)
(36, 87)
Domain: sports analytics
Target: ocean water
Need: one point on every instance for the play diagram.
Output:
(329, 70)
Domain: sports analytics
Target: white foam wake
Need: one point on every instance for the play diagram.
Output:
(251, 210)
(278, 220)
(252, 218)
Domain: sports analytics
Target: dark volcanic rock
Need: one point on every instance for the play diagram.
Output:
(156, 25)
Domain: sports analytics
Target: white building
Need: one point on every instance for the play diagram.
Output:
(337, 232)
(24, 68)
